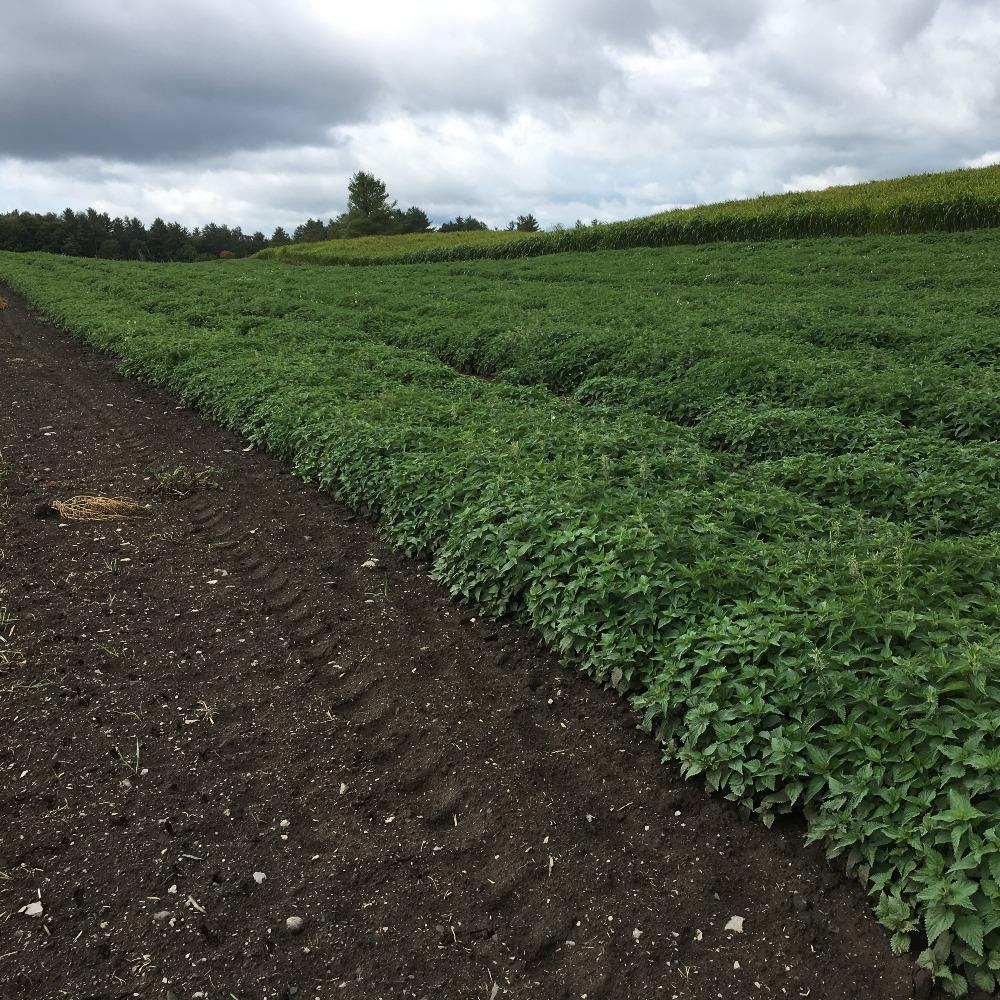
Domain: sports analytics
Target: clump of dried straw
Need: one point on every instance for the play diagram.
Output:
(98, 508)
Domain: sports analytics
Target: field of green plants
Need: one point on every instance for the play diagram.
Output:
(952, 201)
(753, 486)
(365, 250)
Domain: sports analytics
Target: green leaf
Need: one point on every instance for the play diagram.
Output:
(941, 949)
(969, 928)
(984, 980)
(900, 943)
(937, 920)
(993, 860)
(894, 913)
(955, 985)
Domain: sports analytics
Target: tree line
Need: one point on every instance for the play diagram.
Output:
(96, 234)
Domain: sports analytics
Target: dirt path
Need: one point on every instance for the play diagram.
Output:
(247, 682)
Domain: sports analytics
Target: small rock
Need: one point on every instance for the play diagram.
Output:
(369, 564)
(161, 915)
(636, 934)
(294, 925)
(259, 877)
(32, 909)
(343, 787)
(284, 824)
(734, 924)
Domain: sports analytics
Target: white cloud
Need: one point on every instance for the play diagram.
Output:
(986, 160)
(831, 177)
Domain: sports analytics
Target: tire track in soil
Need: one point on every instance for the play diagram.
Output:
(462, 811)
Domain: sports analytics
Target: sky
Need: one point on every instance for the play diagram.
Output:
(256, 114)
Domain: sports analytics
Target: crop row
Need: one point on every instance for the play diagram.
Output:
(953, 201)
(794, 655)
(907, 328)
(838, 421)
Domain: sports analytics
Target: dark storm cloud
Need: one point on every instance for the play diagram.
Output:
(149, 81)
(178, 80)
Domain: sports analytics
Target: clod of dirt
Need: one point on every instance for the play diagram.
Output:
(161, 915)
(45, 510)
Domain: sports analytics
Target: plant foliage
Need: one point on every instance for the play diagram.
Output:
(957, 200)
(751, 488)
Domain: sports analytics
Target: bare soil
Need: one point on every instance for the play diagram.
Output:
(244, 707)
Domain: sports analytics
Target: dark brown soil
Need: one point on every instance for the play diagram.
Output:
(247, 681)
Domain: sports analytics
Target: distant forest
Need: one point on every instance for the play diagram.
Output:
(95, 234)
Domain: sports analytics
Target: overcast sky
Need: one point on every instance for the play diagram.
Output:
(256, 114)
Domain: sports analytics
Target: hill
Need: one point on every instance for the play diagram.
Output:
(950, 201)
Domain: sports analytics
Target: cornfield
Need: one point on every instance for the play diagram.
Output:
(943, 202)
